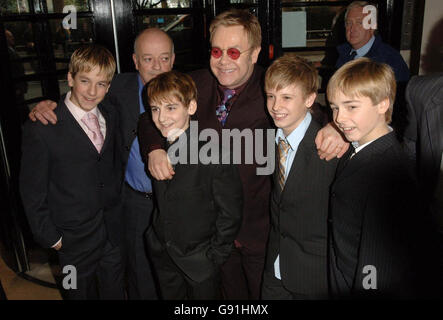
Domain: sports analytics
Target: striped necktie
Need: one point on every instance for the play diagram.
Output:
(283, 148)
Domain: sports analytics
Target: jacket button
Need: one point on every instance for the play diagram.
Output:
(333, 195)
(102, 185)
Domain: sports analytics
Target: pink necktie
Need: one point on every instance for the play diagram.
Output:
(94, 133)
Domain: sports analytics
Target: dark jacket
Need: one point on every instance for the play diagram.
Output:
(68, 189)
(299, 220)
(373, 222)
(198, 213)
(380, 52)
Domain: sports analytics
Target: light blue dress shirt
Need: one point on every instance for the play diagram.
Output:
(294, 139)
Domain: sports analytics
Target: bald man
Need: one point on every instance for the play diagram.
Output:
(153, 54)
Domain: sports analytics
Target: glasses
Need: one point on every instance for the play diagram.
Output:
(232, 53)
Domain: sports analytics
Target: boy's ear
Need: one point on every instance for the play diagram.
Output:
(310, 100)
(192, 108)
(383, 106)
(70, 80)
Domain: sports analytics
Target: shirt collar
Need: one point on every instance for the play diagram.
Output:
(295, 137)
(365, 49)
(76, 110)
(359, 148)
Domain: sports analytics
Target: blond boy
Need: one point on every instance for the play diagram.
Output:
(296, 254)
(70, 180)
(372, 197)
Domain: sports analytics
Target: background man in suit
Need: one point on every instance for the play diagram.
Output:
(230, 96)
(361, 42)
(70, 179)
(424, 140)
(296, 253)
(153, 54)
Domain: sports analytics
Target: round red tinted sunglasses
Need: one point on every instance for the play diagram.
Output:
(232, 53)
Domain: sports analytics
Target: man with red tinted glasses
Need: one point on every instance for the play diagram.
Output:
(230, 96)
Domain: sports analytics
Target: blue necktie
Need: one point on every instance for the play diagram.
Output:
(353, 54)
(222, 110)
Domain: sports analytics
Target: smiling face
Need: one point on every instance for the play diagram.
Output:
(233, 73)
(356, 34)
(88, 88)
(358, 118)
(288, 107)
(153, 54)
(171, 117)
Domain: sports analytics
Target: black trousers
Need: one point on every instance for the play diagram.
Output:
(98, 273)
(242, 274)
(176, 285)
(273, 289)
(137, 213)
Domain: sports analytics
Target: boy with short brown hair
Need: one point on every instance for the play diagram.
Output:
(199, 210)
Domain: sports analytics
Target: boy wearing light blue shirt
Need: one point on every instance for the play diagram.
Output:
(296, 256)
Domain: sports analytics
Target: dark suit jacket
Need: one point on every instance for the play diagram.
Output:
(299, 220)
(380, 52)
(373, 221)
(248, 112)
(69, 189)
(424, 133)
(198, 215)
(124, 96)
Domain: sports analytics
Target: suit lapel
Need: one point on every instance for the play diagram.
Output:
(363, 158)
(109, 126)
(67, 120)
(434, 119)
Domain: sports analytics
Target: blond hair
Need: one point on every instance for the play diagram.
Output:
(367, 78)
(291, 69)
(237, 17)
(87, 57)
(172, 84)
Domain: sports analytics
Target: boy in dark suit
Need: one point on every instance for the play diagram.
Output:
(71, 190)
(374, 231)
(297, 249)
(199, 211)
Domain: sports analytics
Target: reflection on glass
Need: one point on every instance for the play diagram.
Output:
(156, 4)
(321, 23)
(56, 6)
(14, 6)
(21, 46)
(179, 27)
(34, 90)
(243, 1)
(65, 41)
(63, 85)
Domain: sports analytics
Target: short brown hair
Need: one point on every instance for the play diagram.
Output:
(87, 57)
(237, 17)
(367, 78)
(172, 84)
(291, 69)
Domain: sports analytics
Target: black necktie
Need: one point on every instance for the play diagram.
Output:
(352, 55)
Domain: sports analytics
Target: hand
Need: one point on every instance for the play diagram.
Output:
(159, 165)
(330, 143)
(58, 246)
(43, 112)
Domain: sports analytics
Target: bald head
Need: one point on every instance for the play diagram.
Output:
(153, 53)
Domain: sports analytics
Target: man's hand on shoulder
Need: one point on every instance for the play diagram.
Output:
(159, 165)
(330, 143)
(43, 112)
